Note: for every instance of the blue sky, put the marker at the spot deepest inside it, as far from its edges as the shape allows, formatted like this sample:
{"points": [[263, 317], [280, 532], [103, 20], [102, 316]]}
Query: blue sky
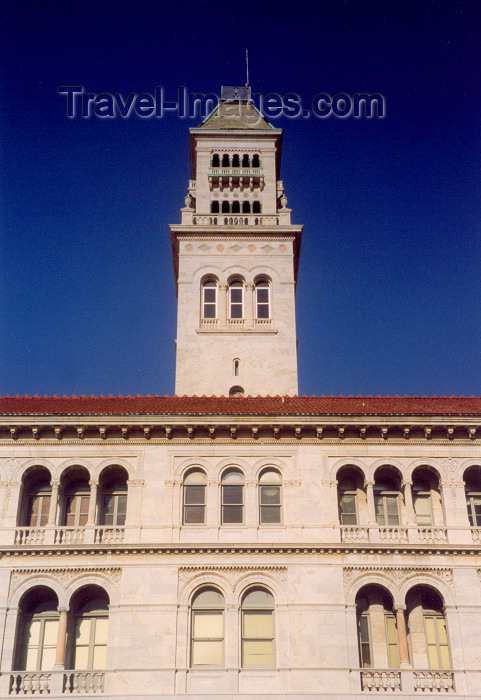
{"points": [[389, 284]]}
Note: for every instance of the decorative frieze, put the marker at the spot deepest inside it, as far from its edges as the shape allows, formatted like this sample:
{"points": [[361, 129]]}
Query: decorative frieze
{"points": [[396, 574], [65, 574]]}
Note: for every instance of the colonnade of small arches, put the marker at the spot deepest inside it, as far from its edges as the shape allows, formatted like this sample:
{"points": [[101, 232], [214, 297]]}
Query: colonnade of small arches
{"points": [[235, 207], [235, 160], [236, 299]]}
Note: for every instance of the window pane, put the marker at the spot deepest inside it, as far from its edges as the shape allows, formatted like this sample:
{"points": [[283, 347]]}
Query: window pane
{"points": [[262, 295], [194, 495], [48, 658], [236, 311], [445, 662], [232, 514], [208, 624], [232, 494], [258, 653], [258, 624], [270, 495], [121, 508], [101, 630], [236, 295], [209, 310], [207, 653], [392, 510], [82, 635], [81, 658], [209, 294], [262, 311], [50, 633], [422, 508], [194, 514], [442, 636], [99, 657], [391, 634], [379, 507], [270, 514]]}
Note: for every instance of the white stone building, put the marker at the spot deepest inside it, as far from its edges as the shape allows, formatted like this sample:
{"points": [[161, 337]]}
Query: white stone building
{"points": [[226, 545]]}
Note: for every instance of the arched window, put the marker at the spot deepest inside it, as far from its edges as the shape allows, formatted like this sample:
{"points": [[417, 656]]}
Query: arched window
{"points": [[270, 483], [257, 628], [235, 161], [225, 161], [245, 161], [194, 497], [236, 207], [207, 625], [246, 207], [232, 506], [225, 207], [236, 367], [37, 496], [255, 161], [113, 488], [236, 391], [347, 495], [426, 622], [263, 300], [386, 499], [76, 489], [37, 631], [472, 485], [214, 207], [256, 207], [209, 299], [89, 628], [236, 299], [376, 629], [215, 160]]}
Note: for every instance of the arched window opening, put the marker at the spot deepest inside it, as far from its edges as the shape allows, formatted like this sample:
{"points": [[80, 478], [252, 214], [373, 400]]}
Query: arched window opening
{"points": [[225, 161], [426, 497], [37, 496], [236, 299], [376, 629], [256, 207], [194, 497], [236, 367], [270, 484], [207, 624], [472, 485], [209, 299], [214, 207], [89, 629], [37, 631], [428, 627], [255, 161], [232, 505], [386, 498], [215, 160], [236, 207], [225, 207], [347, 498], [246, 207], [257, 628], [263, 300], [245, 161], [76, 489], [113, 489], [236, 391], [235, 161]]}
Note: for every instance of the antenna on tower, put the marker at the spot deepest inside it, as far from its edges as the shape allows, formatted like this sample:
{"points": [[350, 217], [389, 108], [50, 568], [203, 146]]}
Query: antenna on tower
{"points": [[247, 67]]}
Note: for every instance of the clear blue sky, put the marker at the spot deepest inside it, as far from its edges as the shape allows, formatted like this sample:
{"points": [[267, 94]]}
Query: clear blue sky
{"points": [[389, 286]]}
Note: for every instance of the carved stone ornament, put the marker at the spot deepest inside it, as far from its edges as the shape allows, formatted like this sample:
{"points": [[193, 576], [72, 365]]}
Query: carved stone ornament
{"points": [[232, 573], [65, 575], [10, 466], [397, 574]]}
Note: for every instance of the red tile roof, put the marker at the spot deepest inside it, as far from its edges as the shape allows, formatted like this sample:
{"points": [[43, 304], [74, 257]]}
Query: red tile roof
{"points": [[248, 406]]}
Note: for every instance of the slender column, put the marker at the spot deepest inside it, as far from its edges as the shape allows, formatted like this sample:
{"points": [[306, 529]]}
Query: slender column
{"points": [[371, 511], [61, 638], [52, 513], [408, 501], [92, 503], [222, 305], [249, 305], [402, 636]]}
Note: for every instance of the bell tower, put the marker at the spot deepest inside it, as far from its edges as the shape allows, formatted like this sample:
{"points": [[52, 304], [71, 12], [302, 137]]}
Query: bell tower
{"points": [[235, 257]]}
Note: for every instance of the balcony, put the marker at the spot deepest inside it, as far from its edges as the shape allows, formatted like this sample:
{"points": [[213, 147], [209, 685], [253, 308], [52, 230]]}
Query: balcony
{"points": [[236, 220], [100, 534], [56, 683], [407, 680], [395, 534], [236, 177]]}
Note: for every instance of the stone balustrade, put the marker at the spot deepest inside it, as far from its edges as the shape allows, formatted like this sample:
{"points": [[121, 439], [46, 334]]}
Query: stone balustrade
{"points": [[432, 535], [29, 535], [377, 681], [30, 683], [84, 682], [433, 681]]}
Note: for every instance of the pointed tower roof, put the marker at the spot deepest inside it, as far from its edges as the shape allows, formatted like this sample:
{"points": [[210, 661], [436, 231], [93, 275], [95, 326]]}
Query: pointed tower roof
{"points": [[235, 114]]}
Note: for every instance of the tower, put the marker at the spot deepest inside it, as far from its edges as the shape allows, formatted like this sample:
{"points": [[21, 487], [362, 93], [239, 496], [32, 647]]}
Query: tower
{"points": [[235, 257]]}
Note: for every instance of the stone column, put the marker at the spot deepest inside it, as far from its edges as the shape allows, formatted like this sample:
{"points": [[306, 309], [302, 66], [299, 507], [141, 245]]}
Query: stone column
{"points": [[231, 647], [61, 639], [213, 515], [251, 517], [402, 636], [249, 305], [222, 313], [92, 503], [408, 503], [371, 511], [52, 513]]}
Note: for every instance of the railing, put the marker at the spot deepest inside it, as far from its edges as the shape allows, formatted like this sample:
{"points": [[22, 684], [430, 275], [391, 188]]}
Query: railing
{"points": [[236, 172], [393, 534], [29, 535], [209, 323], [236, 220], [432, 535], [69, 535], [30, 683], [381, 681], [354, 533], [235, 323], [476, 535], [82, 682], [433, 681], [109, 535], [262, 322]]}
